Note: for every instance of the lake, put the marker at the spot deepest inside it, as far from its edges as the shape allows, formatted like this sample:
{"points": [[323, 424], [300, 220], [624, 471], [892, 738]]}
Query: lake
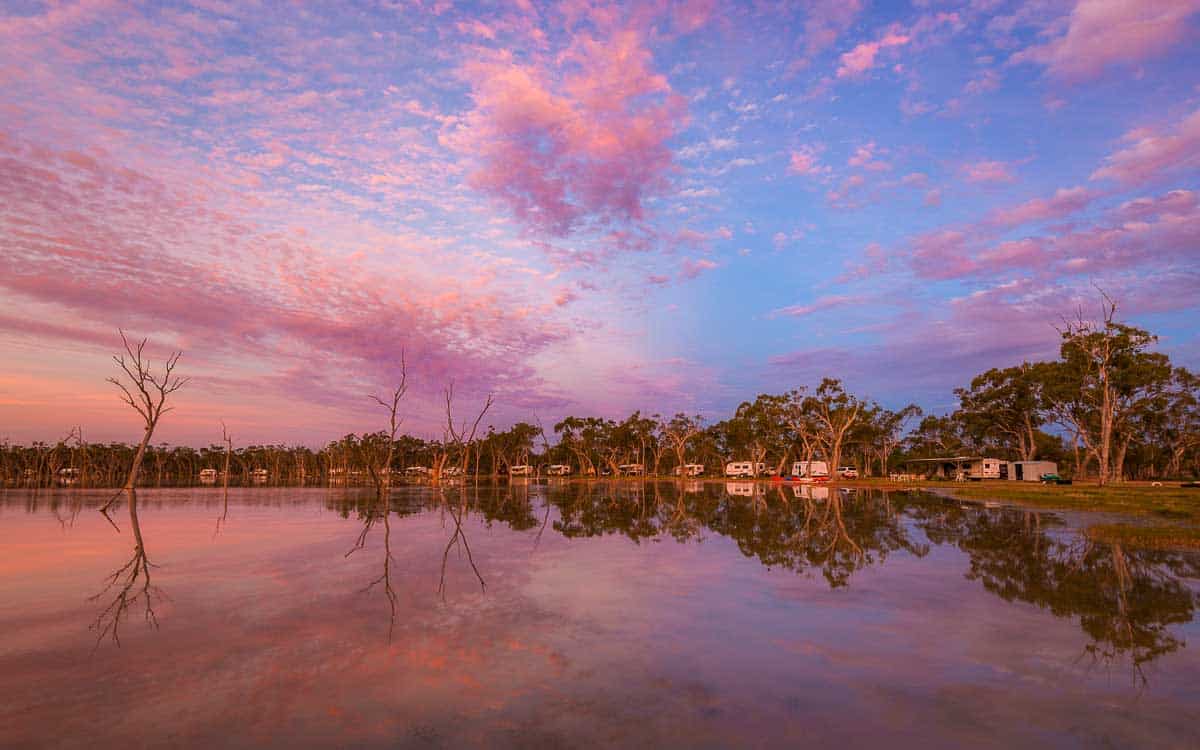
{"points": [[574, 614]]}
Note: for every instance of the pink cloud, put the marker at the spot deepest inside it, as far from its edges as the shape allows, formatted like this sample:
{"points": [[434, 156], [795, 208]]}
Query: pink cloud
{"points": [[821, 304], [582, 139], [987, 171], [691, 268], [1150, 153], [1064, 202], [862, 58], [105, 246], [826, 20], [690, 15], [1174, 203], [804, 161], [864, 157], [1100, 33], [943, 254], [1158, 229]]}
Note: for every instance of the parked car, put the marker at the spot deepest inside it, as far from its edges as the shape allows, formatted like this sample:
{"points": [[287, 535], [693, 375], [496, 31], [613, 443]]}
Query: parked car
{"points": [[848, 472], [1054, 479]]}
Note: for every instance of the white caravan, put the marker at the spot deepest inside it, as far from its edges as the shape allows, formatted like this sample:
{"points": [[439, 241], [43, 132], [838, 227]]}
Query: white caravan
{"points": [[558, 470], [520, 470], [631, 470], [810, 471], [688, 470], [744, 469]]}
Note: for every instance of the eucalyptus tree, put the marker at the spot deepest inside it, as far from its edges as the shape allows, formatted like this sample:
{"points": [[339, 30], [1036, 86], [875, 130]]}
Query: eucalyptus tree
{"points": [[883, 430], [799, 412], [1105, 378], [1179, 430], [937, 435], [760, 425], [678, 432], [836, 412], [1006, 404]]}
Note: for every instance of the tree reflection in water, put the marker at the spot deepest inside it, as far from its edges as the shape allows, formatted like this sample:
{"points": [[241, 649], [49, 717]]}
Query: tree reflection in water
{"points": [[1125, 599], [459, 538], [378, 509], [129, 585]]}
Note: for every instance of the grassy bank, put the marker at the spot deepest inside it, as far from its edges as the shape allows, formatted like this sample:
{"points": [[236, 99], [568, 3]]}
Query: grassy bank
{"points": [[1169, 501], [1169, 516]]}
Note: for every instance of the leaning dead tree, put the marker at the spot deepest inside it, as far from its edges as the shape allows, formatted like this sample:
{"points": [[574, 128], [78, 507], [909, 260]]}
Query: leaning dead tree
{"points": [[381, 471], [146, 392]]}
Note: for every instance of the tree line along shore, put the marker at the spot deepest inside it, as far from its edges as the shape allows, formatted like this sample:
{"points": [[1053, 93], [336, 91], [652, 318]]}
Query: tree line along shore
{"points": [[1109, 409]]}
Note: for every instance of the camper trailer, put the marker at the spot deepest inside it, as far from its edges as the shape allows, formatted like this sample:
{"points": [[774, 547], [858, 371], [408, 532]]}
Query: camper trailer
{"points": [[520, 470], [208, 476], [810, 471], [558, 470], [631, 470], [1027, 471], [958, 468], [744, 469], [688, 470]]}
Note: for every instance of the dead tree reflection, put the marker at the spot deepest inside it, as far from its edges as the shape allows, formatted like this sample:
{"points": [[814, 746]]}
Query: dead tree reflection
{"points": [[459, 538], [379, 509], [130, 585]]}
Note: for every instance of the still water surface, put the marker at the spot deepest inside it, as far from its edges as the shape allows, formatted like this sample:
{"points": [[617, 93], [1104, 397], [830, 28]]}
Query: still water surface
{"points": [[582, 615]]}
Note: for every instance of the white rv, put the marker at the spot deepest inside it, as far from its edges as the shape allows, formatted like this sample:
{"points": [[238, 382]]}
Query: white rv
{"points": [[520, 470], [959, 468], [688, 470], [744, 469], [810, 471], [208, 476], [631, 470], [558, 470]]}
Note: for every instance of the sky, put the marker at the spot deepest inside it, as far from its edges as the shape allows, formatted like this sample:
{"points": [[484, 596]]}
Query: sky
{"points": [[580, 207]]}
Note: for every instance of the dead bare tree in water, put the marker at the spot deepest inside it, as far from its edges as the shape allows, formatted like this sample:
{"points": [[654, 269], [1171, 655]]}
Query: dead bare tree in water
{"points": [[459, 438], [131, 582], [382, 474], [147, 394], [228, 440]]}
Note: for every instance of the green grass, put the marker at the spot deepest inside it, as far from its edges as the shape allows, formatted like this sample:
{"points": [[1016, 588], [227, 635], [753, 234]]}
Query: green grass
{"points": [[1168, 516], [1153, 537], [1169, 501]]}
